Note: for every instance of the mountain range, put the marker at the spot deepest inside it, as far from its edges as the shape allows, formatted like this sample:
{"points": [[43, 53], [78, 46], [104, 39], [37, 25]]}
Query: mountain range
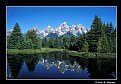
{"points": [[62, 30]]}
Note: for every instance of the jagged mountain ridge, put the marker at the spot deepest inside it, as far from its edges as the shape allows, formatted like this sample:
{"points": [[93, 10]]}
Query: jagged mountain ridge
{"points": [[62, 30]]}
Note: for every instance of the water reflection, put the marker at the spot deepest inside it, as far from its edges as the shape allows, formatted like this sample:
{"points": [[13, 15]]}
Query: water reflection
{"points": [[61, 65], [31, 61], [14, 65], [95, 68], [101, 68]]}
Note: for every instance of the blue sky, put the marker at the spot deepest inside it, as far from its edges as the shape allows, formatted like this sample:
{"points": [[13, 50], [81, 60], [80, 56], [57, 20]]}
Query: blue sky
{"points": [[41, 16]]}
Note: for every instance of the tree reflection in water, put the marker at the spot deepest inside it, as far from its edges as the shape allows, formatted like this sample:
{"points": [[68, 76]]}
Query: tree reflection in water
{"points": [[31, 61], [96, 68], [101, 68], [15, 64]]}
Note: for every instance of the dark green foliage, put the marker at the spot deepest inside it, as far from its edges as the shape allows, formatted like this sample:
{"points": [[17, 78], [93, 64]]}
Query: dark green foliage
{"points": [[94, 34], [31, 34], [15, 39], [85, 46], [104, 40], [111, 37], [28, 44], [44, 42], [99, 46], [32, 41], [105, 44], [114, 41], [100, 37]]}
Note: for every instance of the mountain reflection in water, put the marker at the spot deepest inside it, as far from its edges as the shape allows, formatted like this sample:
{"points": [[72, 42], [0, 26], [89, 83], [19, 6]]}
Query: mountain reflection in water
{"points": [[58, 65], [61, 65]]}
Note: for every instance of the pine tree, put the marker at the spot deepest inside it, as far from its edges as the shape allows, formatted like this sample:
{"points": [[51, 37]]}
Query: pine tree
{"points": [[94, 34], [104, 40], [114, 41], [32, 41], [28, 43], [105, 44], [85, 46], [44, 42], [15, 40], [31, 34], [99, 46]]}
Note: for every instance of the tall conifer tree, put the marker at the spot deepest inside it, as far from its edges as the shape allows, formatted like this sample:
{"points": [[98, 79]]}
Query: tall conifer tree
{"points": [[15, 40]]}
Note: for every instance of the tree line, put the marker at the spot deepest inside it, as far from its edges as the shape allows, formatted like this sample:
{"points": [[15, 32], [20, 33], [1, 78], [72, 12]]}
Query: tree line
{"points": [[101, 38]]}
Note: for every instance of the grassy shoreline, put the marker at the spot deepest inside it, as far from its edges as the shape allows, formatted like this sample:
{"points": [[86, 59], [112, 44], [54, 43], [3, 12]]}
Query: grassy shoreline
{"points": [[32, 51], [71, 53]]}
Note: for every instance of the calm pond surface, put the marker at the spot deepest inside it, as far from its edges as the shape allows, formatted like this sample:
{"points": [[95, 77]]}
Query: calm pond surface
{"points": [[58, 65]]}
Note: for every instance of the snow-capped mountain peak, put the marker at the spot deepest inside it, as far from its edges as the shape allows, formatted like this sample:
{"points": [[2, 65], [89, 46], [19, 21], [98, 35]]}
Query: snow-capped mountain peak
{"points": [[62, 29], [49, 29], [46, 31], [64, 25], [79, 25]]}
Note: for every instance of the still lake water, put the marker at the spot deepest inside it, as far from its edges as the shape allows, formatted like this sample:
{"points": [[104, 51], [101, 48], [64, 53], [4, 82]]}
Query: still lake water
{"points": [[58, 65]]}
